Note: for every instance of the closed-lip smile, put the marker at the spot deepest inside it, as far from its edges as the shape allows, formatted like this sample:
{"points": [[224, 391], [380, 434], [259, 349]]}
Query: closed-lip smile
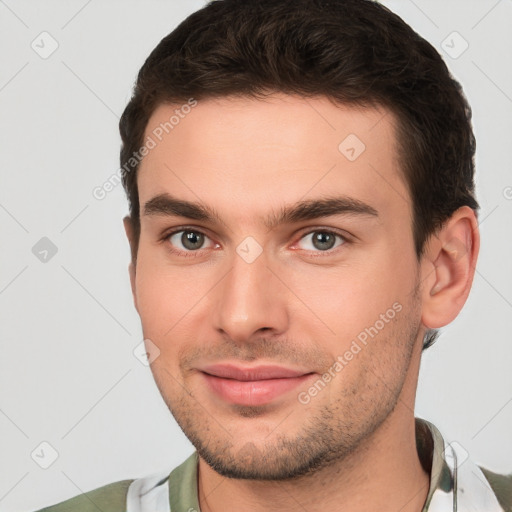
{"points": [[256, 385]]}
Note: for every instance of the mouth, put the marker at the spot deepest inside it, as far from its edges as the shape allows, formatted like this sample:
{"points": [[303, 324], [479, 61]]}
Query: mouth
{"points": [[252, 386]]}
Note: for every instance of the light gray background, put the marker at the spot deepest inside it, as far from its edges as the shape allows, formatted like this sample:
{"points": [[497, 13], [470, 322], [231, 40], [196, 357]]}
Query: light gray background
{"points": [[68, 327]]}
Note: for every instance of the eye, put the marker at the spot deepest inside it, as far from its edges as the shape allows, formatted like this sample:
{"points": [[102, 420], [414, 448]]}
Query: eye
{"points": [[189, 240], [321, 240]]}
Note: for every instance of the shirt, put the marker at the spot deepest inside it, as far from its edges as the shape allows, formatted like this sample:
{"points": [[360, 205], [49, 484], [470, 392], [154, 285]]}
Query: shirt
{"points": [[456, 484]]}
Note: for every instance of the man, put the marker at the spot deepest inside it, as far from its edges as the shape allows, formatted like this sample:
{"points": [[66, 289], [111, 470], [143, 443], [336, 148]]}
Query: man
{"points": [[302, 221]]}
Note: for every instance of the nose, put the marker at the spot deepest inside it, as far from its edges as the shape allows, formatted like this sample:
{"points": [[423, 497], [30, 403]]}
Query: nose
{"points": [[250, 301]]}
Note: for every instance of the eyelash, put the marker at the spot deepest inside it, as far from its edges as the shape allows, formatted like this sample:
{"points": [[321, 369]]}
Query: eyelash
{"points": [[198, 252]]}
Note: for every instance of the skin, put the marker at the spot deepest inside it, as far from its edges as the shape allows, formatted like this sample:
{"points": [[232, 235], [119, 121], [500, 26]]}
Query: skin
{"points": [[352, 446]]}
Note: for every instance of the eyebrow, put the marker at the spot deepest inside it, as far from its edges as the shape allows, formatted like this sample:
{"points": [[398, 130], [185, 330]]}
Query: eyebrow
{"points": [[167, 205]]}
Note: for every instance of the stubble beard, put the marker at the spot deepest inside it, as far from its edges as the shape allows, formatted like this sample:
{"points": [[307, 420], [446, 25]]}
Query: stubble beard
{"points": [[328, 436]]}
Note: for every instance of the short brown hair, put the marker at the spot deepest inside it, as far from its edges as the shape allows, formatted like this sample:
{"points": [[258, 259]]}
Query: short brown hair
{"points": [[354, 52]]}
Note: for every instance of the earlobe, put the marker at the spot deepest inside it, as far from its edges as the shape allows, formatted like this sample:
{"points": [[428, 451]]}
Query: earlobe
{"points": [[128, 227], [452, 253], [131, 271]]}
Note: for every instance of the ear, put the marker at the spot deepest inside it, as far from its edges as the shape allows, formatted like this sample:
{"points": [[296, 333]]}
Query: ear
{"points": [[129, 229], [448, 268]]}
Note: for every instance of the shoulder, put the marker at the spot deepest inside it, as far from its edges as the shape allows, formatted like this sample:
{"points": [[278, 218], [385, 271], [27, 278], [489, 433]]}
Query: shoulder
{"points": [[501, 486], [109, 498]]}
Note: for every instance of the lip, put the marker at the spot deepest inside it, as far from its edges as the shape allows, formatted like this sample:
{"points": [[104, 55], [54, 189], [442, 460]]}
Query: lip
{"points": [[261, 372], [252, 386]]}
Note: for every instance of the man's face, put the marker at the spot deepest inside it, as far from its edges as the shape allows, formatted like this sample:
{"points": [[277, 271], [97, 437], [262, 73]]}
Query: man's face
{"points": [[285, 341]]}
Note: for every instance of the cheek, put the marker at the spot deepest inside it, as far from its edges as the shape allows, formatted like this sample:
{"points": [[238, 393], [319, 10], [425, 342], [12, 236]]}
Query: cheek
{"points": [[159, 286], [340, 302], [159, 299], [172, 301]]}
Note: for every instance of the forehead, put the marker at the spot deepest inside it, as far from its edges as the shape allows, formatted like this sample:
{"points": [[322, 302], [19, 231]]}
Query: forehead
{"points": [[245, 153]]}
